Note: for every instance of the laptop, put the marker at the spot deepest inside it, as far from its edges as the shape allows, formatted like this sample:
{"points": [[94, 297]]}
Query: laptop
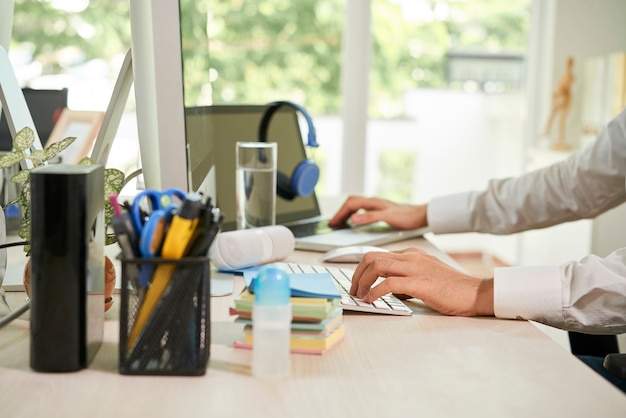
{"points": [[231, 123]]}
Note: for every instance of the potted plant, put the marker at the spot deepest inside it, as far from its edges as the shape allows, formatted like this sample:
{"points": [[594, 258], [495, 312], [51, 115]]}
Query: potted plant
{"points": [[23, 151]]}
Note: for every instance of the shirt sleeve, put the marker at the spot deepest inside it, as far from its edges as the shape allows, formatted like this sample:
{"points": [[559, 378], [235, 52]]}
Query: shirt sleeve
{"points": [[586, 184], [589, 295]]}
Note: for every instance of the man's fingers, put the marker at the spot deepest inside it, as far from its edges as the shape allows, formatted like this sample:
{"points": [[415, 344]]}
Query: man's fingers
{"points": [[375, 265], [392, 284]]}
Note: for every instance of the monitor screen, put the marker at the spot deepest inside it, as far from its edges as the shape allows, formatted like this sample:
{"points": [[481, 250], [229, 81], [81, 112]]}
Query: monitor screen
{"points": [[45, 106], [213, 131]]}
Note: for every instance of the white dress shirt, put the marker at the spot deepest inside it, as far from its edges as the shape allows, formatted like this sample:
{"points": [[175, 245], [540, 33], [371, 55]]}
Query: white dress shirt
{"points": [[588, 295]]}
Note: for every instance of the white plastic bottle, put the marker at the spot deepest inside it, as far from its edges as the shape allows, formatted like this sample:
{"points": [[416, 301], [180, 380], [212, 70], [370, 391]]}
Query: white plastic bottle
{"points": [[271, 323]]}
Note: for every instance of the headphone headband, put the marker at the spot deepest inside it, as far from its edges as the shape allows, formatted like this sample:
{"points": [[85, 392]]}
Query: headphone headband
{"points": [[273, 107]]}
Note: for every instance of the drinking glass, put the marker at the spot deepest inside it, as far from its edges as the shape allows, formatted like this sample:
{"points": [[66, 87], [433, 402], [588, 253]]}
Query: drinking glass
{"points": [[256, 184]]}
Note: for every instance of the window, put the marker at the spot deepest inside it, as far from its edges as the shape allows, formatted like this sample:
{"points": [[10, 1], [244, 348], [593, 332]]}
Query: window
{"points": [[444, 81]]}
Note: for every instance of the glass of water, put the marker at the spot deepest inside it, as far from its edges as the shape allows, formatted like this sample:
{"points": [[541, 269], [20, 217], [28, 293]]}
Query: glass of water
{"points": [[256, 184]]}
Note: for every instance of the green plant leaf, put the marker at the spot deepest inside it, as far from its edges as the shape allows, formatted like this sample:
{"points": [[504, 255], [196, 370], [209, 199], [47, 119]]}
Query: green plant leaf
{"points": [[24, 201], [24, 139], [53, 150], [21, 176], [108, 213], [38, 156], [10, 159], [86, 161], [24, 231], [113, 182], [110, 239]]}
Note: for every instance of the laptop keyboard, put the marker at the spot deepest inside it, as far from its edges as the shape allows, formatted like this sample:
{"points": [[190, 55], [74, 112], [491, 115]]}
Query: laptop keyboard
{"points": [[308, 229], [386, 305]]}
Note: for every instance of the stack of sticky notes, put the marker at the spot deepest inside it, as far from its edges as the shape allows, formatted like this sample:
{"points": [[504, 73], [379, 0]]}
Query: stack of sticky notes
{"points": [[317, 320]]}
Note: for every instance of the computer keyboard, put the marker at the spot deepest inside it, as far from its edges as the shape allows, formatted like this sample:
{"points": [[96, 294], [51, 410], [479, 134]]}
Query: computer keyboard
{"points": [[386, 305]]}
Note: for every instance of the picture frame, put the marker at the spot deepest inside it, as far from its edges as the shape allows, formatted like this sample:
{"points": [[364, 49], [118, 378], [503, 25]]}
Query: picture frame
{"points": [[82, 124]]}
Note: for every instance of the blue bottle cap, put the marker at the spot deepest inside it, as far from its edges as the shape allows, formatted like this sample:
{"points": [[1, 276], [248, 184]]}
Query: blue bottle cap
{"points": [[12, 211], [271, 286]]}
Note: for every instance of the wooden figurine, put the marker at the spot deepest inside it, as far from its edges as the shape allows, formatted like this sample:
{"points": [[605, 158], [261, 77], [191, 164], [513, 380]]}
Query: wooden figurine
{"points": [[561, 101]]}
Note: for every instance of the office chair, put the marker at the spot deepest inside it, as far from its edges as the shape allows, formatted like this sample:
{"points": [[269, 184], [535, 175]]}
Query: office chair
{"points": [[592, 345], [604, 346]]}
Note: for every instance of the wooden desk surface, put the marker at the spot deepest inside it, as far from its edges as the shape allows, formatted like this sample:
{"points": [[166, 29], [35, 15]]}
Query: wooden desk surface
{"points": [[425, 365]]}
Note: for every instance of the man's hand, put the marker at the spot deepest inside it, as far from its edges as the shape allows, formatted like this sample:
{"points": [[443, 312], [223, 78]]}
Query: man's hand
{"points": [[366, 210], [414, 273]]}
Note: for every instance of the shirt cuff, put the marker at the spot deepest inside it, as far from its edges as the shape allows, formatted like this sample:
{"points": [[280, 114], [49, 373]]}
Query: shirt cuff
{"points": [[532, 293], [450, 214]]}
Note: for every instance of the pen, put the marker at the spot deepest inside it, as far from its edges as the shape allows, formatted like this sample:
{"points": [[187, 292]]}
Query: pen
{"points": [[124, 230], [206, 233], [127, 240]]}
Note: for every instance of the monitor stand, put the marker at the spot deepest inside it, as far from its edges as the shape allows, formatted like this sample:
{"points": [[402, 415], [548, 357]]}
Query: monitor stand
{"points": [[114, 112]]}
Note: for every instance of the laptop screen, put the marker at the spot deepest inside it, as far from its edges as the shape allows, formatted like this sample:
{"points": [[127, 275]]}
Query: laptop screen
{"points": [[231, 123]]}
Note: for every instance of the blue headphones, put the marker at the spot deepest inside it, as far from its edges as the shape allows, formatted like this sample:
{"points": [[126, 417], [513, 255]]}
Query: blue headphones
{"points": [[305, 175]]}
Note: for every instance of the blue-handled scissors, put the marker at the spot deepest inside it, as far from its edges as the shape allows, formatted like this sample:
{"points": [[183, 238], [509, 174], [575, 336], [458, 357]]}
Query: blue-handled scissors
{"points": [[151, 225]]}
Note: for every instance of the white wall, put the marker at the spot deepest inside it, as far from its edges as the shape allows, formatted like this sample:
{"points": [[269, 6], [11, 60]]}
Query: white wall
{"points": [[585, 29]]}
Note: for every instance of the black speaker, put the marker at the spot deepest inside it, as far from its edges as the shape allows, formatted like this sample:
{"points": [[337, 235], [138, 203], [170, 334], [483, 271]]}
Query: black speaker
{"points": [[67, 266]]}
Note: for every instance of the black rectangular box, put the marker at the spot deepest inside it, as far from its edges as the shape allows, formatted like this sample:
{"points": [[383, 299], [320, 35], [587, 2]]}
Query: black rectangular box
{"points": [[67, 266]]}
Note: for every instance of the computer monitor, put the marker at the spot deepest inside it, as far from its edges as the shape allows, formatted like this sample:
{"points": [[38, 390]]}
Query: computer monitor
{"points": [[159, 56], [45, 106]]}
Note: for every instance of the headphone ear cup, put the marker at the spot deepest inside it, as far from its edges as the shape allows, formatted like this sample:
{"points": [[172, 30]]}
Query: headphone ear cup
{"points": [[283, 186], [302, 181], [304, 178]]}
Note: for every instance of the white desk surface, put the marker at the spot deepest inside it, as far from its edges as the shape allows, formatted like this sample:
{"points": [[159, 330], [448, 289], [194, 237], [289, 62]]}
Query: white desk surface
{"points": [[425, 365]]}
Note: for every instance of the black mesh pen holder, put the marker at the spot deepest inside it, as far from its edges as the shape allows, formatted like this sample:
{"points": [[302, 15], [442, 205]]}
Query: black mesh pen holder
{"points": [[164, 316]]}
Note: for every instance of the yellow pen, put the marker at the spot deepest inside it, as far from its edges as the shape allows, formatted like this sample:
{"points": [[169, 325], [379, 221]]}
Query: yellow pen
{"points": [[178, 236]]}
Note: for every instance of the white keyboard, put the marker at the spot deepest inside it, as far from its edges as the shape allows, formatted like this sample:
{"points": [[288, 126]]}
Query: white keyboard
{"points": [[386, 305]]}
